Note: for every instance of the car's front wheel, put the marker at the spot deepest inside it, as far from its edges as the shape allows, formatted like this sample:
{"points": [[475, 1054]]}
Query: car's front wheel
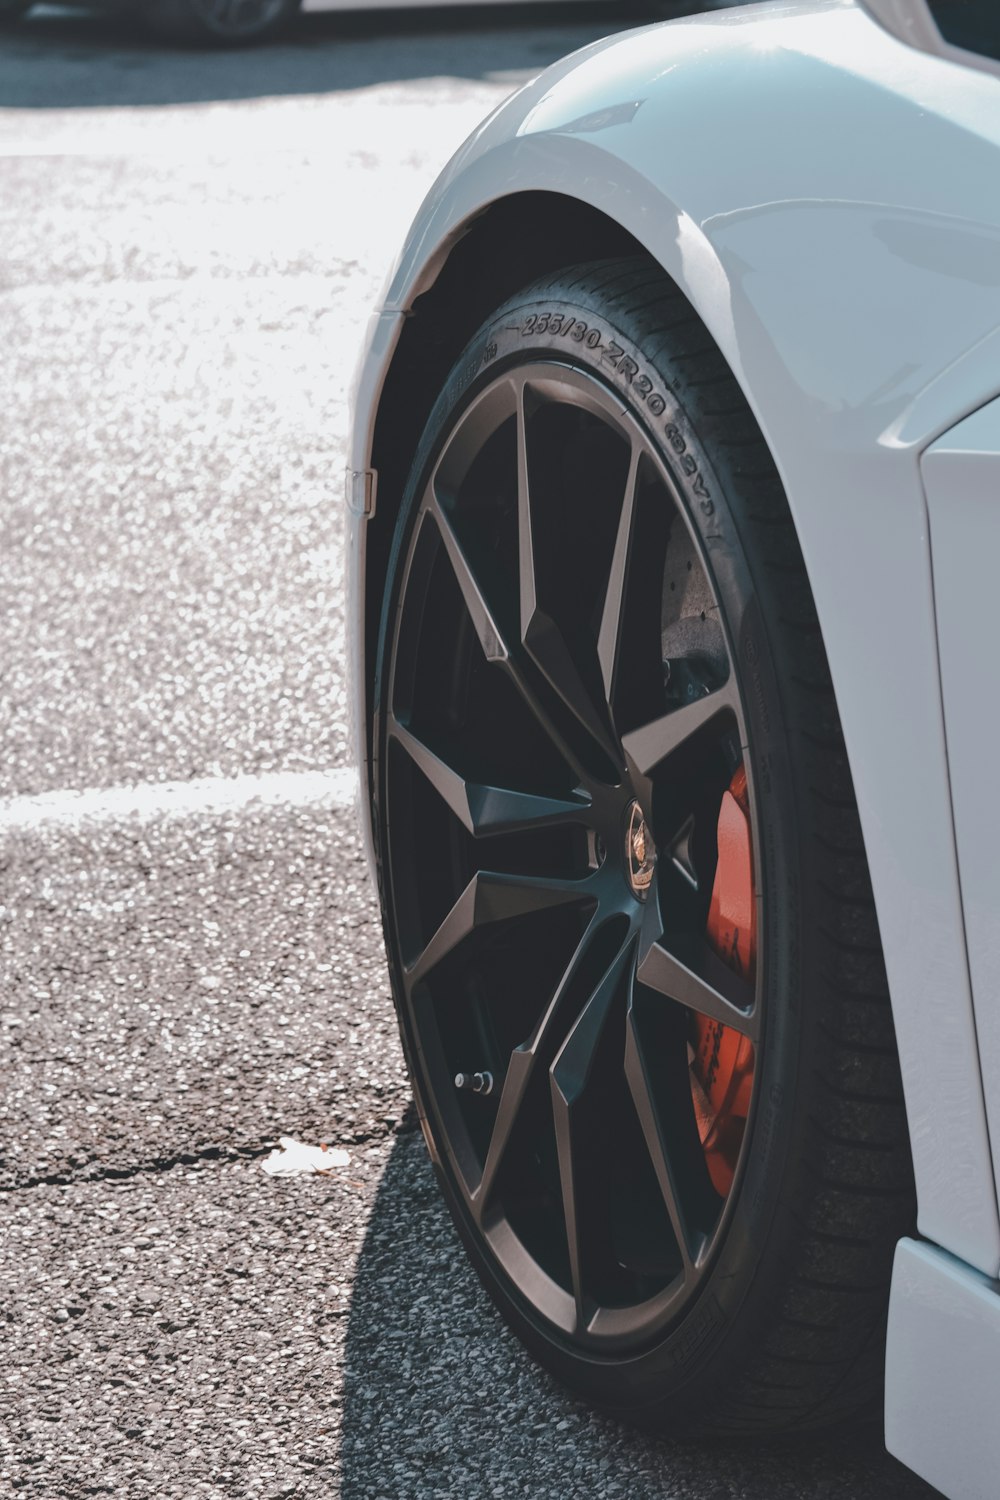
{"points": [[627, 910]]}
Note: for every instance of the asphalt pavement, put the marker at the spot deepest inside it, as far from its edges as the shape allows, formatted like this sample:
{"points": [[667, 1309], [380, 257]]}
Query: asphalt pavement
{"points": [[190, 957]]}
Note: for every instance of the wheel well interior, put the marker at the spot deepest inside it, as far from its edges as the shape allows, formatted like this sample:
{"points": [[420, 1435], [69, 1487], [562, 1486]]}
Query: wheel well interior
{"points": [[510, 244]]}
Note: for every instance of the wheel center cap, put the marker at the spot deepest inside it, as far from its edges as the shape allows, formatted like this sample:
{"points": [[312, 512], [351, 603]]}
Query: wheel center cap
{"points": [[640, 855]]}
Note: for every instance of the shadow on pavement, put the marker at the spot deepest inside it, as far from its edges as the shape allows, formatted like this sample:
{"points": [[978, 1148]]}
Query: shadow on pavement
{"points": [[440, 1400], [101, 58]]}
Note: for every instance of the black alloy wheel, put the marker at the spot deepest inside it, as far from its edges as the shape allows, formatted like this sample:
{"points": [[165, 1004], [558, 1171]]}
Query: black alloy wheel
{"points": [[590, 851]]}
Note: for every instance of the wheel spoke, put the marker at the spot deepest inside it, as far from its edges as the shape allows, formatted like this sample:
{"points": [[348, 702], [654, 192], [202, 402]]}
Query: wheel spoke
{"points": [[526, 575], [648, 747], [525, 1059], [691, 974], [493, 641], [658, 1075], [543, 640], [491, 897], [609, 634], [519, 1072], [483, 808], [484, 622], [490, 410], [570, 1075], [644, 1091]]}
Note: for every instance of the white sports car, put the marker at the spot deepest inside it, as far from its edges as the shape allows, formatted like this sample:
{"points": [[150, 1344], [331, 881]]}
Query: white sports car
{"points": [[675, 535]]}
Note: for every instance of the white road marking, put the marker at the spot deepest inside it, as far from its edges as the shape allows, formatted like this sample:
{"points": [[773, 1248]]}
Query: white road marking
{"points": [[160, 799]]}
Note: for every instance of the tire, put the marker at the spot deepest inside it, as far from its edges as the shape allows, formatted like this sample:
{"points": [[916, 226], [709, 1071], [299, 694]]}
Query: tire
{"points": [[662, 1098], [221, 23]]}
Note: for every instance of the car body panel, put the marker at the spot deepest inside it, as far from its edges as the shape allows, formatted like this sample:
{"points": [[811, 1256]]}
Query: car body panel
{"points": [[943, 1371], [962, 480]]}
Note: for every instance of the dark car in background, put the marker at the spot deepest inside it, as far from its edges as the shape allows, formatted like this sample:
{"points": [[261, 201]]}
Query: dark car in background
{"points": [[241, 22]]}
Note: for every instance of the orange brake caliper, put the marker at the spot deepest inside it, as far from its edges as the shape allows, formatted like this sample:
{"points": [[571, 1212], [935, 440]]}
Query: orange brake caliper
{"points": [[723, 1060]]}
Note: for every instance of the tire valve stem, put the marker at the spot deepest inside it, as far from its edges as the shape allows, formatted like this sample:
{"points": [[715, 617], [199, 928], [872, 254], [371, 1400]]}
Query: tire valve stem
{"points": [[476, 1083]]}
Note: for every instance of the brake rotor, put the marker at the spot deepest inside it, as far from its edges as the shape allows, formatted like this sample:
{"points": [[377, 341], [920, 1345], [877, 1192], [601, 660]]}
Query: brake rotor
{"points": [[722, 1060]]}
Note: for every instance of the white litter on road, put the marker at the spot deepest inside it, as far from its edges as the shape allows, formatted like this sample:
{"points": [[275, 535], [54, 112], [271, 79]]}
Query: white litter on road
{"points": [[209, 794], [293, 1159]]}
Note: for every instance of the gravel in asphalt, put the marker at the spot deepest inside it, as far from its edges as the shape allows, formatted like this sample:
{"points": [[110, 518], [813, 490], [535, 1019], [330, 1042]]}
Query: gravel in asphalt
{"points": [[187, 986], [210, 1331]]}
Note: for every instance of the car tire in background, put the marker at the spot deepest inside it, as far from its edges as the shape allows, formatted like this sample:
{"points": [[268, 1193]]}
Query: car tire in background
{"points": [[221, 23], [627, 909]]}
